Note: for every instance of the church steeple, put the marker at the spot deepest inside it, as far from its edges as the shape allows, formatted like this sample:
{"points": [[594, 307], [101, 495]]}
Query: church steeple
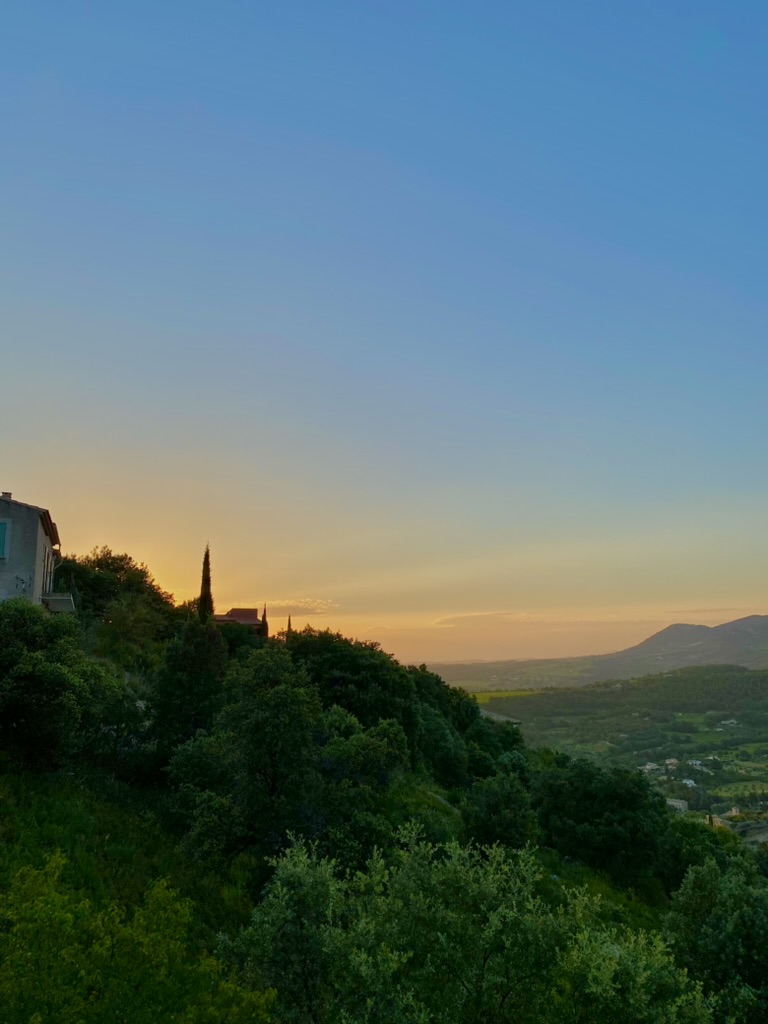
{"points": [[264, 624], [289, 630]]}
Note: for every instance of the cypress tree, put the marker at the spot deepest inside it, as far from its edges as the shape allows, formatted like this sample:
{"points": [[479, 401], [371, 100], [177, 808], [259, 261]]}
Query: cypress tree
{"points": [[205, 604]]}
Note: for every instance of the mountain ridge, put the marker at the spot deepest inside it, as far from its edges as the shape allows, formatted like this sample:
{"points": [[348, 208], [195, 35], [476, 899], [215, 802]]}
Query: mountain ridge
{"points": [[741, 641]]}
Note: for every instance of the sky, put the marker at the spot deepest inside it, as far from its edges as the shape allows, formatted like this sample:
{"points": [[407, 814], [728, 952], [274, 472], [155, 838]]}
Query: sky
{"points": [[444, 324]]}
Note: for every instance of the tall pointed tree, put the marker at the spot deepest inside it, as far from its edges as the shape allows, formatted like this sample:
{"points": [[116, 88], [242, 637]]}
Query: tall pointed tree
{"points": [[205, 604]]}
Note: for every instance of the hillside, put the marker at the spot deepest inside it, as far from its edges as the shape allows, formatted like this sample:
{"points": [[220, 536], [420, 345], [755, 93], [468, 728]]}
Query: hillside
{"points": [[708, 725], [209, 825], [741, 642]]}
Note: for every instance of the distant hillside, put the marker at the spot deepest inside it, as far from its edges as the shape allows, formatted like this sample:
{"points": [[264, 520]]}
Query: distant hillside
{"points": [[701, 731], [742, 642]]}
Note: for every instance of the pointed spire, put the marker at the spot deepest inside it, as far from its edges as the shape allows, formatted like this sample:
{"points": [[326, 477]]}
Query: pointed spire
{"points": [[289, 625], [205, 604]]}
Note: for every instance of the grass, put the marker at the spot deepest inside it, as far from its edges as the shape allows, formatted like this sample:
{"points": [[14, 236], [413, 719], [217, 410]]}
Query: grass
{"points": [[617, 906], [484, 696], [748, 788], [113, 852]]}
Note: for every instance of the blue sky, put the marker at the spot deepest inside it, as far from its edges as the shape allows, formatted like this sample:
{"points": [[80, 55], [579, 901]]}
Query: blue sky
{"points": [[421, 314]]}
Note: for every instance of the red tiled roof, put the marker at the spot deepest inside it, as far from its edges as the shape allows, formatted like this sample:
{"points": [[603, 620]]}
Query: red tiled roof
{"points": [[245, 616]]}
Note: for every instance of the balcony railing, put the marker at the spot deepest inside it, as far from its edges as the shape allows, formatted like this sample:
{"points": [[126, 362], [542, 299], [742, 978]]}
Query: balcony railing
{"points": [[57, 602], [65, 598]]}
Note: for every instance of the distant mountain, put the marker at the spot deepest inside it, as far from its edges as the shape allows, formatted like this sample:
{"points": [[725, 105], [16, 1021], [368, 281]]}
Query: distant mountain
{"points": [[742, 642]]}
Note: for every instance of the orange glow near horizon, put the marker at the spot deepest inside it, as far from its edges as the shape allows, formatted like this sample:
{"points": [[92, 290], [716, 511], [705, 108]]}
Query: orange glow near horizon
{"points": [[426, 592]]}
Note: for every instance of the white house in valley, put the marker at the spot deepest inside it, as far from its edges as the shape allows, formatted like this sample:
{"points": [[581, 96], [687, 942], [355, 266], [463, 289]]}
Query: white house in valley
{"points": [[29, 552]]}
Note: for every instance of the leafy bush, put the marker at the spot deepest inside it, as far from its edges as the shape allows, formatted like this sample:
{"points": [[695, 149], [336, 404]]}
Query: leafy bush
{"points": [[63, 959], [449, 934], [54, 701]]}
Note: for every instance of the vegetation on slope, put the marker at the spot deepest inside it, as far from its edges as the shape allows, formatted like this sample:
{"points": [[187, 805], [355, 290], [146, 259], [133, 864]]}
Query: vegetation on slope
{"points": [[214, 827]]}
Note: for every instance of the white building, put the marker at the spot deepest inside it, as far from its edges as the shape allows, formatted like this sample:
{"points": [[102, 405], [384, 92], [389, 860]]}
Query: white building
{"points": [[29, 552]]}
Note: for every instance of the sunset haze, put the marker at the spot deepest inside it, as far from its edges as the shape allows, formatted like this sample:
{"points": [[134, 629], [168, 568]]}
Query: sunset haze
{"points": [[444, 327]]}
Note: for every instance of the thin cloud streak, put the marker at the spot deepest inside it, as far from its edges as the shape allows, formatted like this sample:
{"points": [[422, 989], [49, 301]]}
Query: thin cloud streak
{"points": [[302, 606], [706, 611]]}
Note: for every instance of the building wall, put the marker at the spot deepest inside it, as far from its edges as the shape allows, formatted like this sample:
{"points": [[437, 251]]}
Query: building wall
{"points": [[43, 574], [28, 550]]}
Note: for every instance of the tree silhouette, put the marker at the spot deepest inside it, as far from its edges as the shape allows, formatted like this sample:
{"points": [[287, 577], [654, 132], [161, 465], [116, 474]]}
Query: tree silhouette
{"points": [[205, 604]]}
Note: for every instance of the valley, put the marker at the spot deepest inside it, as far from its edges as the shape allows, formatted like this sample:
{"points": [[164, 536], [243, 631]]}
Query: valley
{"points": [[701, 734]]}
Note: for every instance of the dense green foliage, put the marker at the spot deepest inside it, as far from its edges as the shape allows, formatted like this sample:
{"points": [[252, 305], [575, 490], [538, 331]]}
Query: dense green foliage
{"points": [[63, 959], [186, 691], [125, 614], [449, 934], [366, 844], [609, 817], [54, 700], [719, 929]]}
